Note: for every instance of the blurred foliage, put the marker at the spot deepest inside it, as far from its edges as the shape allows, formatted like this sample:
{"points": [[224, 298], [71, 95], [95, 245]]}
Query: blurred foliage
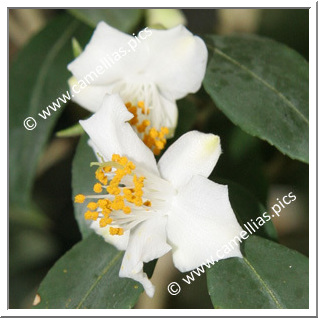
{"points": [[289, 26], [41, 221]]}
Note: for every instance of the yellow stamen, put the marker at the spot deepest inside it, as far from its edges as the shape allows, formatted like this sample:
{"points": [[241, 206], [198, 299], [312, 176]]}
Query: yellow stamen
{"points": [[153, 138], [92, 206], [98, 188], [100, 176], [116, 231], [105, 221], [118, 195], [89, 215], [80, 198], [126, 209], [147, 203], [103, 204]]}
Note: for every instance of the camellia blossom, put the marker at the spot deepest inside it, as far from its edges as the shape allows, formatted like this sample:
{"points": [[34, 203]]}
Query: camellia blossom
{"points": [[149, 72], [146, 208]]}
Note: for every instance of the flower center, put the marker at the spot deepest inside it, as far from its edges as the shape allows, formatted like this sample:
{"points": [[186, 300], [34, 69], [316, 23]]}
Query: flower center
{"points": [[153, 138], [150, 120], [124, 202]]}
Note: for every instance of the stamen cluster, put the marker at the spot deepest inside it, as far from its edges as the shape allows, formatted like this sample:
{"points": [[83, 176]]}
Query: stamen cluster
{"points": [[118, 196], [153, 138]]}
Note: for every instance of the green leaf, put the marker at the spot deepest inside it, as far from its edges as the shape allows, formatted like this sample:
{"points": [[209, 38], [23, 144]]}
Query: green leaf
{"points": [[87, 277], [37, 78], [75, 130], [77, 49], [122, 19], [269, 276], [261, 86], [187, 115], [248, 209]]}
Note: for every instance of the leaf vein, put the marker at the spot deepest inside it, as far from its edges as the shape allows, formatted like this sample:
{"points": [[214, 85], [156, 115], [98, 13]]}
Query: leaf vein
{"points": [[104, 272], [40, 81], [287, 101], [270, 292]]}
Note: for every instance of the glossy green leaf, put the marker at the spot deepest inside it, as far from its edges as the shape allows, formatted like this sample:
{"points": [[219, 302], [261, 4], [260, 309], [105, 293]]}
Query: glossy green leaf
{"points": [[122, 19], [248, 209], [261, 86], [38, 77], [269, 276], [86, 277]]}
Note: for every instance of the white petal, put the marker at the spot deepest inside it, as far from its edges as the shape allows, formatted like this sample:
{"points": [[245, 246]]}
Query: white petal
{"points": [[201, 223], [111, 134], [108, 57], [119, 241], [89, 97], [147, 242], [165, 114], [194, 153], [177, 61]]}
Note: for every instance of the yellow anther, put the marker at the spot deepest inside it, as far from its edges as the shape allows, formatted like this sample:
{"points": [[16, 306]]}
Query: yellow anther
{"points": [[113, 190], [138, 202], [107, 169], [153, 133], [142, 127], [116, 231], [147, 203], [127, 191], [103, 203], [165, 130], [100, 176], [126, 209], [159, 144], [89, 215], [131, 166], [106, 212], [115, 157], [139, 193], [92, 206], [123, 161], [95, 216], [105, 221], [80, 198], [141, 104], [98, 188]]}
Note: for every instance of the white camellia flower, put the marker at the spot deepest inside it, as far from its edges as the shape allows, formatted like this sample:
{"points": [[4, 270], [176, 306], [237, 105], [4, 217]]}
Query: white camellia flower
{"points": [[147, 208], [149, 72]]}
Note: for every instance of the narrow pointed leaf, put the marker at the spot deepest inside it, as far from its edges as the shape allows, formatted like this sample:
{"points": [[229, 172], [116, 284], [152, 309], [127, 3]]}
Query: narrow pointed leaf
{"points": [[38, 76]]}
